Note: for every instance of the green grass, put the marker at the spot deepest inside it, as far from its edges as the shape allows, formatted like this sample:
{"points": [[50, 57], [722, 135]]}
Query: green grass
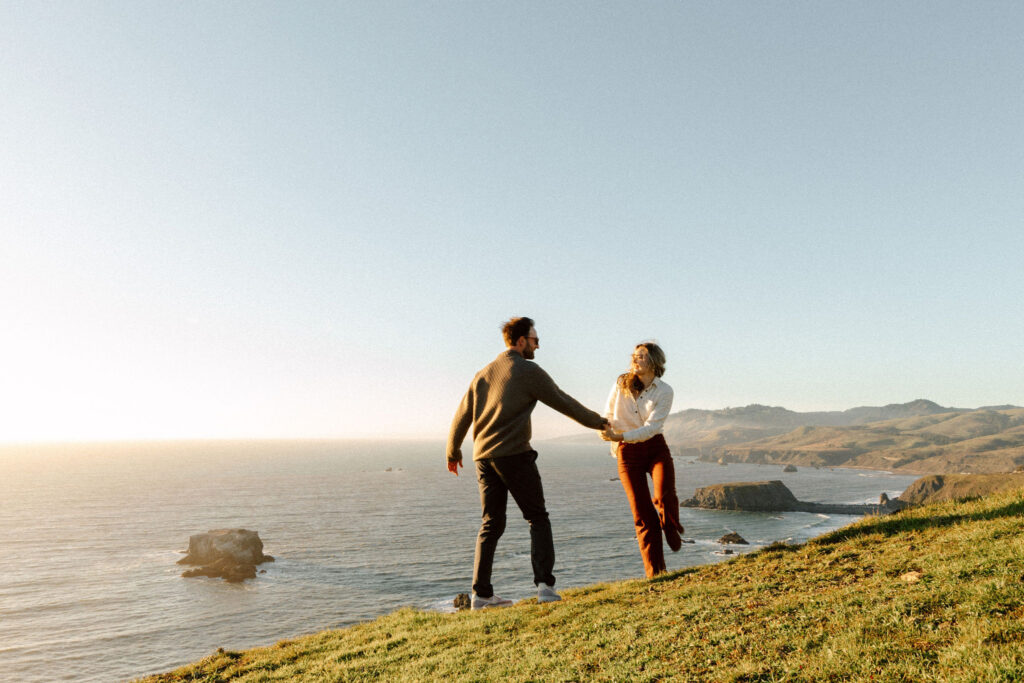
{"points": [[837, 608]]}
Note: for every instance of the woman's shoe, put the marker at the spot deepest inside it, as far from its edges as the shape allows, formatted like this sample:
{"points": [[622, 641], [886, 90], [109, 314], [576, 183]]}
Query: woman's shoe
{"points": [[673, 538]]}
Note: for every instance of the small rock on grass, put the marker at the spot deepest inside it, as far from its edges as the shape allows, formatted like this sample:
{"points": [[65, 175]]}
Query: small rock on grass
{"points": [[912, 576]]}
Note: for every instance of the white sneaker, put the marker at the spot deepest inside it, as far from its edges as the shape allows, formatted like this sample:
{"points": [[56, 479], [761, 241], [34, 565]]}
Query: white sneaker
{"points": [[546, 593], [484, 603]]}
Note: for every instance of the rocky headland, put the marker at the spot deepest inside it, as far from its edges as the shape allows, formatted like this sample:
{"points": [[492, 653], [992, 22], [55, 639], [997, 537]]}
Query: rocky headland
{"points": [[937, 488], [774, 496]]}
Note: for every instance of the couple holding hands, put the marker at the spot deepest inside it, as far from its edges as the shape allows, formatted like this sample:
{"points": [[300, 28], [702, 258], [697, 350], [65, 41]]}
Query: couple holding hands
{"points": [[498, 405]]}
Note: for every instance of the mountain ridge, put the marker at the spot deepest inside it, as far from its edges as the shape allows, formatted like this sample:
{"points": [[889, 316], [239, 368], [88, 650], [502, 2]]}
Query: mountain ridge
{"points": [[979, 442], [697, 429], [919, 437]]}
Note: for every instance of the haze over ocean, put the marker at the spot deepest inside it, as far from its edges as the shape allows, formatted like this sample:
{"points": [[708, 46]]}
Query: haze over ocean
{"points": [[89, 588]]}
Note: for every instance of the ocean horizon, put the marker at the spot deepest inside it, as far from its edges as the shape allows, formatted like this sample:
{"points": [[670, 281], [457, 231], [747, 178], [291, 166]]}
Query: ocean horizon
{"points": [[90, 589]]}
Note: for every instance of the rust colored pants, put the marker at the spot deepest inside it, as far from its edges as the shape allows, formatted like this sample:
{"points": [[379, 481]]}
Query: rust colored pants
{"points": [[651, 515]]}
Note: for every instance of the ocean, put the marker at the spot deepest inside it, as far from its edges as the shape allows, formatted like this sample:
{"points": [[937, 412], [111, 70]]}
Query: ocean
{"points": [[90, 535]]}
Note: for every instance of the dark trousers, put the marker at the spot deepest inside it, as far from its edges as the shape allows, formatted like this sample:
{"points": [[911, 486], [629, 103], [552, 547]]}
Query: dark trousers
{"points": [[651, 515], [518, 475]]}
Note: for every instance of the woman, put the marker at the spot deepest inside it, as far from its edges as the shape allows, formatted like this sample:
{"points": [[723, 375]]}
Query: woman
{"points": [[637, 407]]}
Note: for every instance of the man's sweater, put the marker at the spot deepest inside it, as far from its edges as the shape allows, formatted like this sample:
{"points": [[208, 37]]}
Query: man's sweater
{"points": [[498, 405]]}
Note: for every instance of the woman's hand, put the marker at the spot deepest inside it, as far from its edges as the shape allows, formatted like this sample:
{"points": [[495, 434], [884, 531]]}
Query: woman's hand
{"points": [[610, 434]]}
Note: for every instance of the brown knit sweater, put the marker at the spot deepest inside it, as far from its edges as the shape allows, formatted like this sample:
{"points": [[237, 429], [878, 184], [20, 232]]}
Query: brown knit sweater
{"points": [[498, 405]]}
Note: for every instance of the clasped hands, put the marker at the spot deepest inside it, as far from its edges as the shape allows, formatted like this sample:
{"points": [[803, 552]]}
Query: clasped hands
{"points": [[609, 434]]}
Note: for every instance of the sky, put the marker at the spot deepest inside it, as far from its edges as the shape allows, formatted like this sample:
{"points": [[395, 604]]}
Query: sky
{"points": [[309, 220]]}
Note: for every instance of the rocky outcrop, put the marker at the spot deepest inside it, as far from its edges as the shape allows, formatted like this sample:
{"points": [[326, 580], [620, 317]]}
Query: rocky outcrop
{"points": [[774, 496], [733, 537], [227, 569], [767, 496], [461, 601], [231, 554], [940, 487]]}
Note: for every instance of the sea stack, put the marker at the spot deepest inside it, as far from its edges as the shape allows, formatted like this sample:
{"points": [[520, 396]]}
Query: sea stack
{"points": [[753, 495], [733, 537], [230, 554]]}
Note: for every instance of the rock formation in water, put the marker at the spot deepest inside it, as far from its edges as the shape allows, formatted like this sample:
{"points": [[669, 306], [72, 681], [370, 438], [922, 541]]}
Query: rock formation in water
{"points": [[231, 554], [774, 496], [768, 496], [733, 537]]}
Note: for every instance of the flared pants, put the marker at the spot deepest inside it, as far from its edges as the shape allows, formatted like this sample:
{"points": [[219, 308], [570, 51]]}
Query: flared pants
{"points": [[651, 515]]}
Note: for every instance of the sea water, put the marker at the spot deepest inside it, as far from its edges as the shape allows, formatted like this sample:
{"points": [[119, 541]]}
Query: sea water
{"points": [[90, 536]]}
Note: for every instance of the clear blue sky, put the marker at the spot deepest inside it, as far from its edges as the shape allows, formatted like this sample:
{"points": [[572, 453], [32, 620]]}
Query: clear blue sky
{"points": [[253, 219]]}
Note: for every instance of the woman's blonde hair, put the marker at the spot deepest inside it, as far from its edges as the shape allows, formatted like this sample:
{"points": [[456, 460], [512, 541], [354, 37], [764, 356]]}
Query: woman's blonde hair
{"points": [[628, 381]]}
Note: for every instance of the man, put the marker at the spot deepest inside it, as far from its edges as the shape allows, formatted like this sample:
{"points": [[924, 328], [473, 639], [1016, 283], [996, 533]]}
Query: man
{"points": [[498, 405]]}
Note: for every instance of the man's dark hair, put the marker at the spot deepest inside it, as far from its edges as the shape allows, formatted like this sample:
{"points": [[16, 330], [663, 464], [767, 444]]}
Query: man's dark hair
{"points": [[516, 328]]}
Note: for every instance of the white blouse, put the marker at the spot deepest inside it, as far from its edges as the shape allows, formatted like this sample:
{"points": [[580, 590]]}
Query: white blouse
{"points": [[638, 418]]}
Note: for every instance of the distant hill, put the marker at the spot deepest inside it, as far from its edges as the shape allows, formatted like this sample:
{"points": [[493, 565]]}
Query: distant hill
{"points": [[976, 441], [698, 432]]}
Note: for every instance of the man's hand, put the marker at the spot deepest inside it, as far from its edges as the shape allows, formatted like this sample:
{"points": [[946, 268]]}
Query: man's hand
{"points": [[453, 466]]}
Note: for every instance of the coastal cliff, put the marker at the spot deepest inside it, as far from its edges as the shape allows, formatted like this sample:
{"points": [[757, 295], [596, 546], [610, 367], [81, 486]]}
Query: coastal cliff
{"points": [[938, 488], [774, 496]]}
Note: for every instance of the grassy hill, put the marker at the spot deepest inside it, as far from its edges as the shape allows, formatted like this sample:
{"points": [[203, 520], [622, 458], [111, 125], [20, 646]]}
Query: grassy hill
{"points": [[934, 593], [980, 441]]}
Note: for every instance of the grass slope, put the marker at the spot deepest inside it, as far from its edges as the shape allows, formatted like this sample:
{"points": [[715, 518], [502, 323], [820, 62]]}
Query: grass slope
{"points": [[934, 593]]}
